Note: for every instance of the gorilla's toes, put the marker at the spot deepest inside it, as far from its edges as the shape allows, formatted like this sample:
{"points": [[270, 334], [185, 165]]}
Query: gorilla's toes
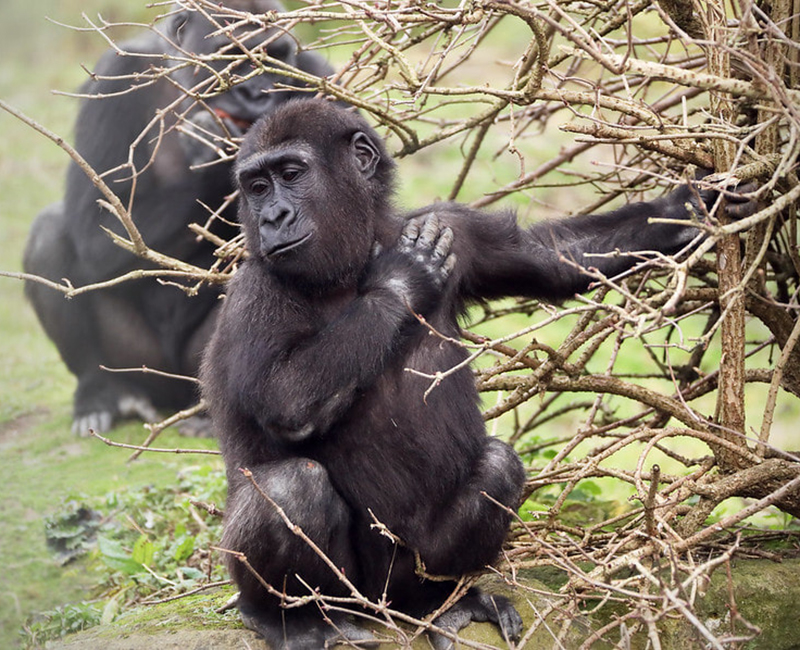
{"points": [[98, 421], [510, 622], [478, 607], [104, 411], [346, 632], [197, 426]]}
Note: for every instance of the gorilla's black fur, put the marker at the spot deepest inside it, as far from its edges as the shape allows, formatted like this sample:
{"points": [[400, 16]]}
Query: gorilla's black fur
{"points": [[307, 377]]}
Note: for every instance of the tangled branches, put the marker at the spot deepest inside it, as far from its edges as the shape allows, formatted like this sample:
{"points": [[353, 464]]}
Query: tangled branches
{"points": [[663, 385]]}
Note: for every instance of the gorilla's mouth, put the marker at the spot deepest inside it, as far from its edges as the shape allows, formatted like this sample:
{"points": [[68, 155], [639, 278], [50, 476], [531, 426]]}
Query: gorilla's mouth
{"points": [[286, 247], [238, 121]]}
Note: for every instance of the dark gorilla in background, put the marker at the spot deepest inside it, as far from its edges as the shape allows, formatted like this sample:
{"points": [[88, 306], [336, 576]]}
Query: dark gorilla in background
{"points": [[143, 323], [307, 384]]}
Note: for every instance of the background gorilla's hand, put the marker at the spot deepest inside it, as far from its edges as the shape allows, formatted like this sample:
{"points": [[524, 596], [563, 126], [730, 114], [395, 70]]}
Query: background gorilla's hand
{"points": [[203, 135]]}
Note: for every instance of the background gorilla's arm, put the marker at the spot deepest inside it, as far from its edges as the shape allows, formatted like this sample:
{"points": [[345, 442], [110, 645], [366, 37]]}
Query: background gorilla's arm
{"points": [[105, 129], [497, 258]]}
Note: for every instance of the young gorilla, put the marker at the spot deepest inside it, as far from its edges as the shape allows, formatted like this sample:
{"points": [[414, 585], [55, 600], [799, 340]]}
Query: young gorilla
{"points": [[142, 322], [306, 375]]}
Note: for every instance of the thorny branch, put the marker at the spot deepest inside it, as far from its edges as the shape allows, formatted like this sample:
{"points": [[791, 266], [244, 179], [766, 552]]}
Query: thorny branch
{"points": [[678, 367]]}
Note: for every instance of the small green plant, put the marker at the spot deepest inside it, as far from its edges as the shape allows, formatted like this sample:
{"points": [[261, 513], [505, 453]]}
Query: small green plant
{"points": [[160, 542], [138, 543], [59, 622], [70, 531]]}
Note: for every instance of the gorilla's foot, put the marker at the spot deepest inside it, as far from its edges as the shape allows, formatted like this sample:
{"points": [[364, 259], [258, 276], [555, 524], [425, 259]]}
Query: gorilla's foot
{"points": [[196, 426], [97, 421], [99, 409], [478, 607], [291, 630]]}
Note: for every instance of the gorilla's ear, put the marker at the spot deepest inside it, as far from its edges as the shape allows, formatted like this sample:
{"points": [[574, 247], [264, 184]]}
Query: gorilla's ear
{"points": [[175, 24], [365, 153]]}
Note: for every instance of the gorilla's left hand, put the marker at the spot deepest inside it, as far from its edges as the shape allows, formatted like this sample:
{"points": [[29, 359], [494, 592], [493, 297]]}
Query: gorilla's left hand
{"points": [[740, 201]]}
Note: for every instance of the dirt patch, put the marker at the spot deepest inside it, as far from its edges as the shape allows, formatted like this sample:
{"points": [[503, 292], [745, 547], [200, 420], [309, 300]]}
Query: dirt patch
{"points": [[11, 431]]}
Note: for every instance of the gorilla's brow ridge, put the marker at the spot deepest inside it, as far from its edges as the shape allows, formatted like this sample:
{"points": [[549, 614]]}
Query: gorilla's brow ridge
{"points": [[290, 151]]}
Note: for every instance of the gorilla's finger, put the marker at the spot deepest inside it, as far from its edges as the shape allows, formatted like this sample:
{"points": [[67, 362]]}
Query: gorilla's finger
{"points": [[444, 243], [429, 232], [410, 233], [449, 265]]}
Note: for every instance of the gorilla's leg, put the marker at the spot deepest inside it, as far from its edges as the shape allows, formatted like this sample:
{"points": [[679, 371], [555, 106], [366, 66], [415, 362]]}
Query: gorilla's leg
{"points": [[301, 487], [193, 351], [79, 328], [469, 533], [49, 254], [470, 530]]}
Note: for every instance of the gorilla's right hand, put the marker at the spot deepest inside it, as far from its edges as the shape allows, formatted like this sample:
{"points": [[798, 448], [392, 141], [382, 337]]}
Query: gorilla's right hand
{"points": [[417, 269], [425, 240]]}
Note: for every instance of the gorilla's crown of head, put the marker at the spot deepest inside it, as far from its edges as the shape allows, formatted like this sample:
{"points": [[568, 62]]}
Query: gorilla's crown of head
{"points": [[324, 125], [252, 6]]}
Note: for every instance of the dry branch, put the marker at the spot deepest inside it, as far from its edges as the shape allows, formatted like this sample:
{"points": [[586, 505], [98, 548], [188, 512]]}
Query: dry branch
{"points": [[658, 369]]}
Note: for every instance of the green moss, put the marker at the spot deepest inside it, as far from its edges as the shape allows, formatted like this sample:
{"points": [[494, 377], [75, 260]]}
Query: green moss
{"points": [[767, 594], [199, 611], [167, 625]]}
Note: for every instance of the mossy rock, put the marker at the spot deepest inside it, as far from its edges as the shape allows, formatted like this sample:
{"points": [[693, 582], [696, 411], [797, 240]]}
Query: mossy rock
{"points": [[189, 623], [193, 623], [766, 594]]}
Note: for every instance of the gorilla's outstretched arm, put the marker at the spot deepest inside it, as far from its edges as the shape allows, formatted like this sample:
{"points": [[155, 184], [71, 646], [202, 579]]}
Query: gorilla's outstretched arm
{"points": [[550, 259]]}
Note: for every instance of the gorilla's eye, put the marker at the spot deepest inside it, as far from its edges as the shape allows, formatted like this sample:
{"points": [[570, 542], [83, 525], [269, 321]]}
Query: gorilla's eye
{"points": [[280, 49], [258, 187], [288, 174]]}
